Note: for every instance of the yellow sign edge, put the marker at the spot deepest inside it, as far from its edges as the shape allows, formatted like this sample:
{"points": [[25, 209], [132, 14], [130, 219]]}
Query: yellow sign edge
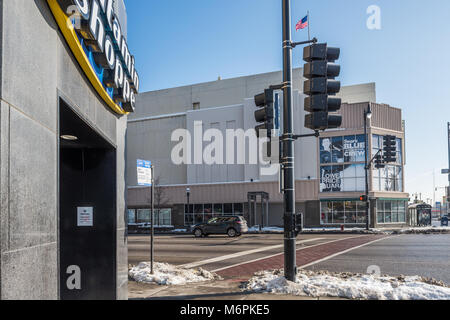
{"points": [[71, 37]]}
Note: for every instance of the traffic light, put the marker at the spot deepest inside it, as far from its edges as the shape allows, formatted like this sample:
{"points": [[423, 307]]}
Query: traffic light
{"points": [[363, 199], [379, 164], [390, 149], [265, 116], [321, 71]]}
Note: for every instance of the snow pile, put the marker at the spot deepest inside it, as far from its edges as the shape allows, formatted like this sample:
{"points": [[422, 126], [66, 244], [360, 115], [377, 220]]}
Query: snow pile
{"points": [[180, 230], [166, 274], [423, 230], [350, 286], [266, 229]]}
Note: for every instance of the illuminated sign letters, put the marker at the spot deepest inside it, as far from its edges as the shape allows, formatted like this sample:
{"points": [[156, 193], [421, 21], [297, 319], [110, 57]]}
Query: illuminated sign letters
{"points": [[94, 34]]}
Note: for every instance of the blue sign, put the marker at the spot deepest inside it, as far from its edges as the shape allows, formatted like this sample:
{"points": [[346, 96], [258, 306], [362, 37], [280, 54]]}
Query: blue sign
{"points": [[144, 173]]}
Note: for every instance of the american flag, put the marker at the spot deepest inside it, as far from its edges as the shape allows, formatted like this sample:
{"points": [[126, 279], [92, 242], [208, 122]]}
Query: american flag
{"points": [[302, 24]]}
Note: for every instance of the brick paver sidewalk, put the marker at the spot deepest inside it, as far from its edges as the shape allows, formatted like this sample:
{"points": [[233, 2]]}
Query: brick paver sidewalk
{"points": [[304, 257]]}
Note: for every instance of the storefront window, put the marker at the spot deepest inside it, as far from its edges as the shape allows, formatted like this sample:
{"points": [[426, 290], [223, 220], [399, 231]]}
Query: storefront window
{"points": [[218, 209], [391, 211], [204, 212], [208, 208], [131, 216], [342, 212], [338, 212], [238, 209], [391, 177], [165, 217], [228, 208], [350, 212], [198, 208], [188, 219], [143, 215], [380, 211]]}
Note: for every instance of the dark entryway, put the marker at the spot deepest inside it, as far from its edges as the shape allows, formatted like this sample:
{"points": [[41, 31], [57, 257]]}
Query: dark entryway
{"points": [[87, 211]]}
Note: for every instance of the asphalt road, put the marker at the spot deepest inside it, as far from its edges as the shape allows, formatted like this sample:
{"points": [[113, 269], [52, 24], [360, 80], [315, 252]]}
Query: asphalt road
{"points": [[185, 249], [424, 255]]}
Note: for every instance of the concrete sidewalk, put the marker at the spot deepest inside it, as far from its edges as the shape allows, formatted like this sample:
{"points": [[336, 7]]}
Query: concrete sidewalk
{"points": [[216, 290]]}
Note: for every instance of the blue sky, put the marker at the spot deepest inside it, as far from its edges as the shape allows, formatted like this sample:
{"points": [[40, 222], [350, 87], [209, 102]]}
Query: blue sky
{"points": [[179, 42]]}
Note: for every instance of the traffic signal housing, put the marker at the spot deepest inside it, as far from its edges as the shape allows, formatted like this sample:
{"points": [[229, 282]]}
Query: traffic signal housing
{"points": [[379, 164], [320, 72], [390, 149], [266, 114], [363, 198]]}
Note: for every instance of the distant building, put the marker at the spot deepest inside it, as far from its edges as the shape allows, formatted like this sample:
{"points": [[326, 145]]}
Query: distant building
{"points": [[329, 171]]}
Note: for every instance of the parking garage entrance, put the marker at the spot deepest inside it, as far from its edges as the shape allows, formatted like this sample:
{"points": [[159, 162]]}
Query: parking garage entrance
{"points": [[87, 211]]}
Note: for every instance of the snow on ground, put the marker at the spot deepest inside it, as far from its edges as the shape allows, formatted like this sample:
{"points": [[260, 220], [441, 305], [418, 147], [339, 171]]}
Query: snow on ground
{"points": [[266, 229], [179, 230], [350, 286], [423, 230], [166, 274]]}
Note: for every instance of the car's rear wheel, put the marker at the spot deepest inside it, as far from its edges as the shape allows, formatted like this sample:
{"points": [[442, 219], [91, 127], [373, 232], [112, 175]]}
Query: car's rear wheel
{"points": [[198, 233], [232, 233]]}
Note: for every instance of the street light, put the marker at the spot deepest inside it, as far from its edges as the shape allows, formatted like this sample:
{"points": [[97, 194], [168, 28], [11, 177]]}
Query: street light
{"points": [[188, 194], [367, 116]]}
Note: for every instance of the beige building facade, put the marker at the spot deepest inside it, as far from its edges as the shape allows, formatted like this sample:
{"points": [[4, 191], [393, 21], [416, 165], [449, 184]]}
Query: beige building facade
{"points": [[222, 189]]}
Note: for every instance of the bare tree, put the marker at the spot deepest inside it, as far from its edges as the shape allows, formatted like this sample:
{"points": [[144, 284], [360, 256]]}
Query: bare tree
{"points": [[161, 198]]}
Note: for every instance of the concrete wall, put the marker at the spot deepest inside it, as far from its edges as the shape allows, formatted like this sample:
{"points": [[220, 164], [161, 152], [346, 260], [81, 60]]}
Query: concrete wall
{"points": [[153, 142], [37, 66]]}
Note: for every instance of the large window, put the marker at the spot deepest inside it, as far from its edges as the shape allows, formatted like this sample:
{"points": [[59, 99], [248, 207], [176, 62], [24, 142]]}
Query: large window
{"points": [[389, 178], [162, 217], [342, 212], [200, 213], [131, 216], [342, 164], [391, 211]]}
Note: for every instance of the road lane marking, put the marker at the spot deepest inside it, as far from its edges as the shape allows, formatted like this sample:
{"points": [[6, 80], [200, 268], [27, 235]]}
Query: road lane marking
{"points": [[240, 254], [280, 254], [343, 252]]}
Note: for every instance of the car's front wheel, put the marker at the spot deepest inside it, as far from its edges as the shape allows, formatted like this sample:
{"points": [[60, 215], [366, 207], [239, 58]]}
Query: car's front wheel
{"points": [[198, 233], [232, 233]]}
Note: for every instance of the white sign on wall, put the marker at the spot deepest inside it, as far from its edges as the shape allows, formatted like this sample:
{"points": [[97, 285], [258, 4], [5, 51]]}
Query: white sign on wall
{"points": [[85, 216], [144, 173]]}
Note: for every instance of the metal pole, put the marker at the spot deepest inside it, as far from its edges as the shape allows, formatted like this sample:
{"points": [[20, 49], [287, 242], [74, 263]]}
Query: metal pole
{"points": [[448, 190], [290, 268], [262, 213], [367, 172], [152, 241]]}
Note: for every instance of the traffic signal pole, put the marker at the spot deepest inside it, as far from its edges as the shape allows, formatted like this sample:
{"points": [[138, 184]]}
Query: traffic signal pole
{"points": [[367, 168], [287, 158]]}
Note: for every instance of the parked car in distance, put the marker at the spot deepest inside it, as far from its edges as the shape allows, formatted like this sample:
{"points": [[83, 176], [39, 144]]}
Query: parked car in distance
{"points": [[233, 226]]}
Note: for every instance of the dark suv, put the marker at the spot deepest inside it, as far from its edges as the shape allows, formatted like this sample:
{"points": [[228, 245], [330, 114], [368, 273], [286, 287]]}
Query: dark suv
{"points": [[233, 226]]}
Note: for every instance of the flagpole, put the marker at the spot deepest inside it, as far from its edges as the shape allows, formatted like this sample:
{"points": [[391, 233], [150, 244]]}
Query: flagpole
{"points": [[309, 23]]}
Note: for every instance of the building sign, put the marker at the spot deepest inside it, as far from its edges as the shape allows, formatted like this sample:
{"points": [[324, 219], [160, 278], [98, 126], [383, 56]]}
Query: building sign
{"points": [[85, 216], [354, 148], [342, 149], [341, 167], [94, 34]]}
